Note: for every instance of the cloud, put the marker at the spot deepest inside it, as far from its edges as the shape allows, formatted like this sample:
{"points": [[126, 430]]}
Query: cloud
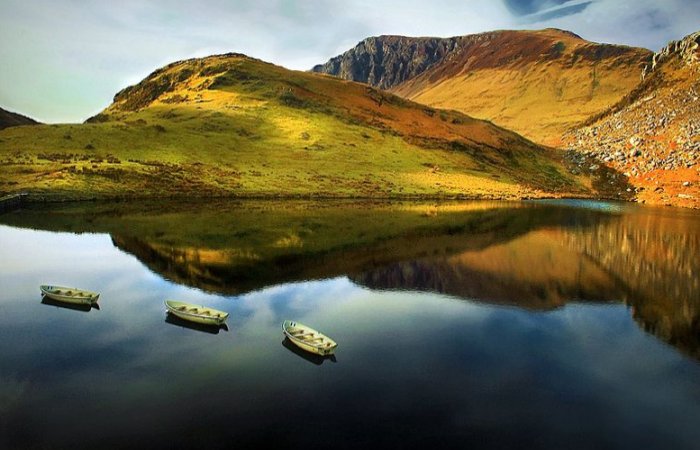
{"points": [[528, 7], [558, 12], [643, 23]]}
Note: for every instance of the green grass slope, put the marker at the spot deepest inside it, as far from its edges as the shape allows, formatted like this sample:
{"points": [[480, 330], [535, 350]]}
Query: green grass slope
{"points": [[230, 125]]}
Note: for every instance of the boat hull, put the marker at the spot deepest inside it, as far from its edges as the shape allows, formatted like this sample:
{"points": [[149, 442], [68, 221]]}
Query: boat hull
{"points": [[69, 295], [322, 345], [196, 313]]}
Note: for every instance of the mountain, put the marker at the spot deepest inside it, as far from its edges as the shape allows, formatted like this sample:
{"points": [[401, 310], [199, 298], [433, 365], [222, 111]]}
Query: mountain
{"points": [[537, 83], [653, 134], [230, 125], [10, 119]]}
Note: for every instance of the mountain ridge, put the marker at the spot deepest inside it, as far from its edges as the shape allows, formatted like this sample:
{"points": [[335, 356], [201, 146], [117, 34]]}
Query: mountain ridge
{"points": [[538, 83]]}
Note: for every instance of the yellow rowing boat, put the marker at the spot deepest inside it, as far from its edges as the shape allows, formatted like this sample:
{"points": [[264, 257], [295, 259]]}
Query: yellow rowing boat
{"points": [[196, 313], [69, 295], [308, 339]]}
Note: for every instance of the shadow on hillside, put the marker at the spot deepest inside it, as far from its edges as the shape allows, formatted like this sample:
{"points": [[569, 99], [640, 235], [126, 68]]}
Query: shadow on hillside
{"points": [[606, 182]]}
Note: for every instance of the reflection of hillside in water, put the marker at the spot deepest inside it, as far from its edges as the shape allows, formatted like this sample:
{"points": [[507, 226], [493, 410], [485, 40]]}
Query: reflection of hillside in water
{"points": [[536, 256], [657, 257], [648, 261], [235, 267], [532, 271]]}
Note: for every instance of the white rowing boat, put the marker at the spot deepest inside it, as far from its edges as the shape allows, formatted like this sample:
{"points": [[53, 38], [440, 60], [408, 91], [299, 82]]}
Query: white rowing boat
{"points": [[308, 339], [196, 313], [69, 295]]}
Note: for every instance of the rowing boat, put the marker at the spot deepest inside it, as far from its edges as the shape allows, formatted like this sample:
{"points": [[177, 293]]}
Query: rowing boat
{"points": [[69, 295], [308, 339], [196, 313]]}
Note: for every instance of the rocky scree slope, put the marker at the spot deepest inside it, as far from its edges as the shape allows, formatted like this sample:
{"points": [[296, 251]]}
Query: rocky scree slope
{"points": [[653, 134]]}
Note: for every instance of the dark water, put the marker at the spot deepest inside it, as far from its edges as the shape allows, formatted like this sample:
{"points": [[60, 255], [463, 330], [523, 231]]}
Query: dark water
{"points": [[479, 325]]}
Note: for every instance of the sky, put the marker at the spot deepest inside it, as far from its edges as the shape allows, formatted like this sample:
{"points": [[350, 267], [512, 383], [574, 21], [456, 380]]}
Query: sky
{"points": [[63, 60]]}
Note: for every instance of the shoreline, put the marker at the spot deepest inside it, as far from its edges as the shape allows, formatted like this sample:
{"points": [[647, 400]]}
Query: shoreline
{"points": [[15, 200], [47, 197]]}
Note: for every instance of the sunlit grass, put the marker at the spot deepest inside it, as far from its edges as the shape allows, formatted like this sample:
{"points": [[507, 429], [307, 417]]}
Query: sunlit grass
{"points": [[260, 130]]}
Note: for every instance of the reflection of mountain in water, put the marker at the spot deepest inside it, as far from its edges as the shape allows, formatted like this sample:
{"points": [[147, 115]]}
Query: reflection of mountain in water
{"points": [[194, 267], [532, 271], [537, 256], [374, 242], [657, 257], [648, 261]]}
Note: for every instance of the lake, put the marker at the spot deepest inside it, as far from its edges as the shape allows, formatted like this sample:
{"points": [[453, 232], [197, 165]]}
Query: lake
{"points": [[550, 324]]}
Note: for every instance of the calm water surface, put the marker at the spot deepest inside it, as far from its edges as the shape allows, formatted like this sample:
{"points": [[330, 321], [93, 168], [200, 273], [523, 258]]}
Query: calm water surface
{"points": [[482, 325]]}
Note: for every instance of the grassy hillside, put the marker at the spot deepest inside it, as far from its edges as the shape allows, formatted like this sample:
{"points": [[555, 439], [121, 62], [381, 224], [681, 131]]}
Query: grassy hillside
{"points": [[537, 83], [230, 125]]}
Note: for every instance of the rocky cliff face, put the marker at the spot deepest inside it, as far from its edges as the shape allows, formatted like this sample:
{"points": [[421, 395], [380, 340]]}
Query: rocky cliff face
{"points": [[10, 119], [685, 50], [386, 61], [653, 134]]}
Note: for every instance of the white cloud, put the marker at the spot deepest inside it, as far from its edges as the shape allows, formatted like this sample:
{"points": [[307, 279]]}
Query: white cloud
{"points": [[642, 23]]}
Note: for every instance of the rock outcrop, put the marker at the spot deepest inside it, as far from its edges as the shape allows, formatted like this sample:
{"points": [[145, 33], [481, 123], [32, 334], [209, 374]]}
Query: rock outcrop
{"points": [[685, 50], [387, 61]]}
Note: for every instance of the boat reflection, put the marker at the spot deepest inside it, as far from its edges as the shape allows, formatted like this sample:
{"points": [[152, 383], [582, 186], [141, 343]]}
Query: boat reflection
{"points": [[310, 357], [177, 321], [72, 306]]}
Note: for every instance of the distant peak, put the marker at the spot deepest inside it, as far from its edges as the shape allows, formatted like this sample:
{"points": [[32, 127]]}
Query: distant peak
{"points": [[13, 119], [396, 38]]}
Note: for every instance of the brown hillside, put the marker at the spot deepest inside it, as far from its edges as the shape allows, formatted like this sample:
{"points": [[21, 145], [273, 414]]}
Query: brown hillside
{"points": [[653, 134], [537, 83]]}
